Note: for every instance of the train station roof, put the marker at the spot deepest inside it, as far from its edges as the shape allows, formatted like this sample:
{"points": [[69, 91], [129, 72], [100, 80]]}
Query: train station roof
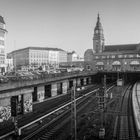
{"points": [[120, 48]]}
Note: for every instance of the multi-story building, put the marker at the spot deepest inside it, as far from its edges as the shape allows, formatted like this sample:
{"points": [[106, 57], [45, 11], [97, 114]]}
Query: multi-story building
{"points": [[9, 64], [37, 56], [72, 56], [2, 44], [111, 57], [62, 56], [73, 60]]}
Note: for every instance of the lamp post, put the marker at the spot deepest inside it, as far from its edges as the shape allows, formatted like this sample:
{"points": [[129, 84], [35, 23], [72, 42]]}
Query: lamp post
{"points": [[73, 111]]}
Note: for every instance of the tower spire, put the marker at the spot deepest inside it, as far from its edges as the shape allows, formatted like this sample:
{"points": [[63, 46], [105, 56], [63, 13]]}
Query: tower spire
{"points": [[98, 17], [98, 38]]}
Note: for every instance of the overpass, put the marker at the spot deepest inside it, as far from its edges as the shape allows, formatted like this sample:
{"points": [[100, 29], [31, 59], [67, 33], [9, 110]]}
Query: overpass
{"points": [[29, 92]]}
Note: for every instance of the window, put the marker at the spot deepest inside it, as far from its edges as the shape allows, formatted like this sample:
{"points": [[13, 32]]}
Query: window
{"points": [[125, 56], [131, 56], [96, 57], [113, 56], [103, 57], [120, 56]]}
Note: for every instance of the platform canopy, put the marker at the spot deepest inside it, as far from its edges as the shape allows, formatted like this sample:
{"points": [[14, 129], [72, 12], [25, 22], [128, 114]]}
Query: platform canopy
{"points": [[116, 63], [100, 63], [134, 62]]}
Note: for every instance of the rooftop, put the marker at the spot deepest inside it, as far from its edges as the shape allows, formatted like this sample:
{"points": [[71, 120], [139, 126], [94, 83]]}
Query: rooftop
{"points": [[38, 48], [121, 47]]}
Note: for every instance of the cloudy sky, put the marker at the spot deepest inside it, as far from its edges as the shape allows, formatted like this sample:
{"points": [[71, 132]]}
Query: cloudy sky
{"points": [[69, 24]]}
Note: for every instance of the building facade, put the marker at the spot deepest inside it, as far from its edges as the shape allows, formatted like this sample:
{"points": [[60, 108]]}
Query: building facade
{"points": [[3, 32], [37, 56], [124, 57], [73, 57], [9, 64]]}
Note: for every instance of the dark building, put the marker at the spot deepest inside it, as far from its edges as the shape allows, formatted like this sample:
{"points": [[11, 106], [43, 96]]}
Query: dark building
{"points": [[125, 57]]}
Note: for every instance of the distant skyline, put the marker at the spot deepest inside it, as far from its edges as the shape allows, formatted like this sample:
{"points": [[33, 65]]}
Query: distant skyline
{"points": [[69, 24]]}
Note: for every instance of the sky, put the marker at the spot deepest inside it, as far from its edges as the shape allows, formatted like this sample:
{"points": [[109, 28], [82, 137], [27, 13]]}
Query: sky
{"points": [[69, 24]]}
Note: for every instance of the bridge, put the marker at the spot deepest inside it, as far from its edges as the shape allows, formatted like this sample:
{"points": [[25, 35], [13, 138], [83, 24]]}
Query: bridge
{"points": [[31, 96]]}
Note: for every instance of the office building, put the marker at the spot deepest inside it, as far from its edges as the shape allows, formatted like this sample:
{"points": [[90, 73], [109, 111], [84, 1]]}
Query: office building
{"points": [[38, 56]]}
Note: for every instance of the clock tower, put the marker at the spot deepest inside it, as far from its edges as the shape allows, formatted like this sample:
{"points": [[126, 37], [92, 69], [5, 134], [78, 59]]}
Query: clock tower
{"points": [[98, 38]]}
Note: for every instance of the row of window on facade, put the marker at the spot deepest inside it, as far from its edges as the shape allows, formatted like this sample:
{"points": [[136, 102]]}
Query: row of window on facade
{"points": [[39, 55], [134, 62], [2, 59], [43, 63], [116, 65], [118, 56]]}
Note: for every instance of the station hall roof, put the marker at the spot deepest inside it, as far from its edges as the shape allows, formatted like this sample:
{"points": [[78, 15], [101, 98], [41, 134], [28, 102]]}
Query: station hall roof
{"points": [[123, 47], [38, 48]]}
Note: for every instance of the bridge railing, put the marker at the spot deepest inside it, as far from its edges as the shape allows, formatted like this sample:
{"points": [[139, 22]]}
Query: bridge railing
{"points": [[42, 79]]}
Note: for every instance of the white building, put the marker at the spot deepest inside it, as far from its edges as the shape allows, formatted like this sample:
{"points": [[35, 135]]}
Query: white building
{"points": [[9, 64], [2, 45], [37, 56], [73, 57]]}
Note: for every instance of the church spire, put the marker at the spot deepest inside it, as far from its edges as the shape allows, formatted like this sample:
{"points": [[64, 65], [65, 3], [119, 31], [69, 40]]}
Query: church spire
{"points": [[98, 39], [98, 18]]}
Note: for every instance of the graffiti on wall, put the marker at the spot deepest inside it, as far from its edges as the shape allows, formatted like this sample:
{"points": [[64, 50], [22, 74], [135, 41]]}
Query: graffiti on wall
{"points": [[40, 96], [5, 113], [28, 103]]}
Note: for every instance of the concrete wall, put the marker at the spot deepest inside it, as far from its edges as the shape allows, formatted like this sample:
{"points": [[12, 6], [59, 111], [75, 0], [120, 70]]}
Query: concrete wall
{"points": [[5, 102], [90, 80], [64, 87], [78, 82], [28, 103], [40, 93], [85, 80], [5, 109], [54, 89]]}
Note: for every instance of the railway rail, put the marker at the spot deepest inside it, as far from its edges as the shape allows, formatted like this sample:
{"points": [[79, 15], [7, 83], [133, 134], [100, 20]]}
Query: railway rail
{"points": [[124, 124], [52, 129], [24, 127]]}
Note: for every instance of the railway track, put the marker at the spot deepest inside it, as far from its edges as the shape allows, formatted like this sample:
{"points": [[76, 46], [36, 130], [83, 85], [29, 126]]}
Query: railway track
{"points": [[51, 129], [35, 124], [124, 124], [55, 127]]}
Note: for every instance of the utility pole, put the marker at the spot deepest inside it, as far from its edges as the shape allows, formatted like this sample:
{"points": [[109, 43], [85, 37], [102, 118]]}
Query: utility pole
{"points": [[73, 113], [102, 105]]}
